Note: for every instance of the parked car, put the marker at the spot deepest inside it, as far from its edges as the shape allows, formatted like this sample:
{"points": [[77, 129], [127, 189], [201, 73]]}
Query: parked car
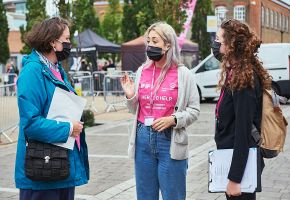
{"points": [[275, 58]]}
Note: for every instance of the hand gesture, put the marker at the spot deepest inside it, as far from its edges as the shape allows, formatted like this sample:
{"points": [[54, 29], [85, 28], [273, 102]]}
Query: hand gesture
{"points": [[128, 86]]}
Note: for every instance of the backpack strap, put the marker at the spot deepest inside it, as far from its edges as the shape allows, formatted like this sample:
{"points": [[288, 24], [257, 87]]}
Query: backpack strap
{"points": [[256, 135]]}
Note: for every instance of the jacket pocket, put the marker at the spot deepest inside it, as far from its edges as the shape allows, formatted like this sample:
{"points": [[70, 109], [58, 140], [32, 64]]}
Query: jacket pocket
{"points": [[181, 136]]}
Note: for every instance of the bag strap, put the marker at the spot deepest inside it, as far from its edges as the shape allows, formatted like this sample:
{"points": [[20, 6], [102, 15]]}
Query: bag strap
{"points": [[256, 135]]}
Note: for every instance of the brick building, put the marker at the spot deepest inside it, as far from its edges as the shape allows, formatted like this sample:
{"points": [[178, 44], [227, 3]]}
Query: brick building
{"points": [[270, 19]]}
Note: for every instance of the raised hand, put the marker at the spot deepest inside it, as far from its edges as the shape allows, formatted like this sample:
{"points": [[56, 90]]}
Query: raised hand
{"points": [[128, 86]]}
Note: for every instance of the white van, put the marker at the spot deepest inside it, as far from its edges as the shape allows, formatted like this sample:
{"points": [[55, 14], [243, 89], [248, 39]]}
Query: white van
{"points": [[275, 58]]}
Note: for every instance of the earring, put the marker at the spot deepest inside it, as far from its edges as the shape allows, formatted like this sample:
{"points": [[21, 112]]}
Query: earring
{"points": [[54, 48]]}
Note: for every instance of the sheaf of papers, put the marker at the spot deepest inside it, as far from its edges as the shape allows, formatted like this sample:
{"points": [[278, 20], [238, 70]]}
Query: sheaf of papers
{"points": [[64, 107], [219, 166]]}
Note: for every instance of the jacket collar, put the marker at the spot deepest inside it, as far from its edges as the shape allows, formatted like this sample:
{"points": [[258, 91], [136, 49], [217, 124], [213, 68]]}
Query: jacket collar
{"points": [[34, 57]]}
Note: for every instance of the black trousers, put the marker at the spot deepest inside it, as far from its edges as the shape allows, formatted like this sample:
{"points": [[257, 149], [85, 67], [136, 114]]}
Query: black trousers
{"points": [[54, 194]]}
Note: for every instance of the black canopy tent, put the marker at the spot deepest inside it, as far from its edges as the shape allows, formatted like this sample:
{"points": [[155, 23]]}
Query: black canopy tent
{"points": [[89, 43], [133, 54]]}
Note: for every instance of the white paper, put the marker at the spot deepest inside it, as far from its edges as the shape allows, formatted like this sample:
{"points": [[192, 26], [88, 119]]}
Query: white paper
{"points": [[219, 166], [148, 121], [65, 107]]}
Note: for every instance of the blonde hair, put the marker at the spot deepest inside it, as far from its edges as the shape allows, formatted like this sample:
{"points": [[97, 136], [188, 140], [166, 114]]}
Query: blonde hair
{"points": [[168, 35]]}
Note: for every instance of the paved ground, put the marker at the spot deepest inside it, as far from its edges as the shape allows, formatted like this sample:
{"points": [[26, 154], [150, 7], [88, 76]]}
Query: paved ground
{"points": [[112, 175]]}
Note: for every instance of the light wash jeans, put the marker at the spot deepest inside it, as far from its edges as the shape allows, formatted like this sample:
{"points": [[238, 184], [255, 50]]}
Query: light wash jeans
{"points": [[154, 169]]}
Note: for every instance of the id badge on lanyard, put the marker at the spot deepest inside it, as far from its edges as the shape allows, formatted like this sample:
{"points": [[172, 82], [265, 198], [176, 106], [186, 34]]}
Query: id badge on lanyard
{"points": [[148, 120]]}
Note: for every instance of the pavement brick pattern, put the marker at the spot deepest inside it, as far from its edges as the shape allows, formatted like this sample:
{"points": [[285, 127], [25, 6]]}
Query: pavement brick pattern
{"points": [[112, 173]]}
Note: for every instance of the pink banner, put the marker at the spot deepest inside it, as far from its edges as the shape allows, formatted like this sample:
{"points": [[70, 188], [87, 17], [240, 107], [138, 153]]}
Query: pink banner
{"points": [[186, 25]]}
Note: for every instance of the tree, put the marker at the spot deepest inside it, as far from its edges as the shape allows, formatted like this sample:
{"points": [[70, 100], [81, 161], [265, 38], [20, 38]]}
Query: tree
{"points": [[111, 26], [36, 13], [64, 8], [199, 33], [4, 30], [138, 15], [129, 27], [172, 12], [84, 16]]}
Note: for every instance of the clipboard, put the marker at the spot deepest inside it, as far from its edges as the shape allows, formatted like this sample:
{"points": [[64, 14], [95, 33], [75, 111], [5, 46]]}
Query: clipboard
{"points": [[219, 162], [65, 107]]}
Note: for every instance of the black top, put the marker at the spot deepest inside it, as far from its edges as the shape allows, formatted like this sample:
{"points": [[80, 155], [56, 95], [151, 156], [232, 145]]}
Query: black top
{"points": [[237, 112]]}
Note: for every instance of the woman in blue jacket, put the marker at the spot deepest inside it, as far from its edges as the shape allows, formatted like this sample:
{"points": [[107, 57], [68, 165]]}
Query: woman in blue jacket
{"points": [[40, 76]]}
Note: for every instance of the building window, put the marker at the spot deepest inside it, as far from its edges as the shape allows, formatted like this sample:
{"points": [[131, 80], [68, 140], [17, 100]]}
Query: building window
{"points": [[240, 13], [280, 22], [220, 12], [267, 18], [20, 8], [271, 19], [263, 16], [287, 24], [275, 20]]}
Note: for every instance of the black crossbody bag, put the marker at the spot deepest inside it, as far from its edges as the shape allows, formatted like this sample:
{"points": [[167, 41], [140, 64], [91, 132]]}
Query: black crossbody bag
{"points": [[46, 162]]}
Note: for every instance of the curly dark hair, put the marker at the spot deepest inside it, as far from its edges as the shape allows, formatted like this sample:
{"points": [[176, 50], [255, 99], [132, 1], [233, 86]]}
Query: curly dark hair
{"points": [[241, 55]]}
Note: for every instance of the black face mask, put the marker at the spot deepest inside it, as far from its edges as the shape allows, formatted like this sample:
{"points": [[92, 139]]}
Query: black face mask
{"points": [[216, 50], [64, 54], [154, 53]]}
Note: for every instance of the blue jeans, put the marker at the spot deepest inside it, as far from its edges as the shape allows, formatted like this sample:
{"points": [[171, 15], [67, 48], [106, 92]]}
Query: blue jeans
{"points": [[154, 169]]}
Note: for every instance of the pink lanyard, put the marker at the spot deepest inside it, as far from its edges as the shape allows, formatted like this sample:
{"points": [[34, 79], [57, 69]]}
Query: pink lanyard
{"points": [[222, 94], [151, 91]]}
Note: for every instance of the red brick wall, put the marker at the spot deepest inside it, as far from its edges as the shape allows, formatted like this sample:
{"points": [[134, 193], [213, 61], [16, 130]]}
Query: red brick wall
{"points": [[271, 35], [253, 17]]}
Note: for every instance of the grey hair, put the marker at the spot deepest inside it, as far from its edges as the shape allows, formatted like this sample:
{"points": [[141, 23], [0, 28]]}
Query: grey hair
{"points": [[168, 35]]}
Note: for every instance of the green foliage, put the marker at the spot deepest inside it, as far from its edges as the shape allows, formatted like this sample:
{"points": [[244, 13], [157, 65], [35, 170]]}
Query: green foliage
{"points": [[36, 13], [84, 16], [129, 27], [138, 15], [63, 8], [199, 34], [89, 118], [171, 12], [111, 26], [4, 30]]}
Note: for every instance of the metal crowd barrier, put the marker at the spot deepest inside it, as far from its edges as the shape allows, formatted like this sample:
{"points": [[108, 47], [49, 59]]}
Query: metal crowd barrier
{"points": [[113, 92], [83, 79], [9, 117], [101, 83], [8, 79]]}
